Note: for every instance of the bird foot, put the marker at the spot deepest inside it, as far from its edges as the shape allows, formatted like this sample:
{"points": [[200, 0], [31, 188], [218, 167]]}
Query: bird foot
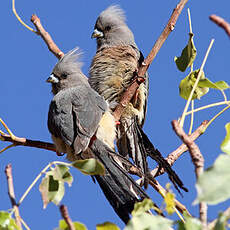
{"points": [[139, 79]]}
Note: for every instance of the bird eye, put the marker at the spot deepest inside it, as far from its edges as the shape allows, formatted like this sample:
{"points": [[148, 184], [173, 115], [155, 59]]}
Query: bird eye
{"points": [[107, 28], [64, 75]]}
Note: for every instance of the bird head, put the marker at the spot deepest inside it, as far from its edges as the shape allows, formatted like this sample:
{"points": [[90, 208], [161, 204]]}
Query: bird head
{"points": [[111, 29], [67, 72]]}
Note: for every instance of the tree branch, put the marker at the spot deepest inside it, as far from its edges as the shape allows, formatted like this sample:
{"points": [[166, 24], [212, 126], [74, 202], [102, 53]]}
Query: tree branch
{"points": [[66, 217], [129, 92], [156, 185], [8, 172], [127, 96], [173, 156], [198, 162], [221, 23], [46, 37], [17, 141]]}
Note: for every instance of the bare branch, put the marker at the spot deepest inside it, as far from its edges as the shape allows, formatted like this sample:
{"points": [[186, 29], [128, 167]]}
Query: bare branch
{"points": [[8, 172], [221, 23], [66, 217], [198, 162], [46, 37], [17, 141], [127, 96], [173, 156], [156, 185]]}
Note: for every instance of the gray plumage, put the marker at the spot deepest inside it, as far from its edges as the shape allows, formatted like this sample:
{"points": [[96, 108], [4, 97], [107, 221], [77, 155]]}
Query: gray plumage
{"points": [[76, 109], [112, 71], [111, 22], [81, 125]]}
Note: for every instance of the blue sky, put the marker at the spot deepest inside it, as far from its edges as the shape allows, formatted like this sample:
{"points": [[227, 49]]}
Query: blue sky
{"points": [[25, 96]]}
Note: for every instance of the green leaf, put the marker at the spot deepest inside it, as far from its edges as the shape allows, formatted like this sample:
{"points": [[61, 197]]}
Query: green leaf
{"points": [[221, 222], [213, 185], [220, 85], [187, 84], [6, 222], [190, 224], [188, 55], [225, 146], [142, 207], [107, 226], [79, 226], [64, 226], [146, 221], [51, 190], [61, 173], [170, 202], [89, 167]]}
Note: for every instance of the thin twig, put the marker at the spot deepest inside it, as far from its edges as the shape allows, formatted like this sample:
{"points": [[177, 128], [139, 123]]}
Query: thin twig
{"points": [[192, 118], [198, 161], [208, 106], [38, 177], [27, 142], [46, 37], [213, 223], [156, 185], [8, 172], [221, 23], [173, 156], [19, 19], [126, 97], [66, 217], [217, 115], [195, 84]]}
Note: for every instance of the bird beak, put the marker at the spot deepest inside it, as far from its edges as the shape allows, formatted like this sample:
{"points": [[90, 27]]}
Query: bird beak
{"points": [[52, 79], [97, 34]]}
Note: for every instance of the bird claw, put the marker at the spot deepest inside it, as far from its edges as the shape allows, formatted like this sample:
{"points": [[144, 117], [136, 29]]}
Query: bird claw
{"points": [[117, 122], [139, 79], [13, 137]]}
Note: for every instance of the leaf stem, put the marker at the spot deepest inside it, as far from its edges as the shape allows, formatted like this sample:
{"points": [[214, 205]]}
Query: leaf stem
{"points": [[192, 118], [190, 22], [208, 106], [33, 183], [25, 225], [217, 115], [38, 177], [19, 19], [195, 85]]}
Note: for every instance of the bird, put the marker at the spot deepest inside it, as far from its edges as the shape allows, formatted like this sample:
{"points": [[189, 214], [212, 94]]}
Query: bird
{"points": [[82, 126], [113, 69]]}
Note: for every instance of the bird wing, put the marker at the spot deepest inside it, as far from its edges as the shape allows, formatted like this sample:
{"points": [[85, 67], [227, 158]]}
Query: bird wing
{"points": [[74, 116]]}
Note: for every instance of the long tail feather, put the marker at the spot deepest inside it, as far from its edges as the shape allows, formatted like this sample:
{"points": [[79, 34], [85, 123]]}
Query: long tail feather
{"points": [[128, 145], [120, 189], [156, 155]]}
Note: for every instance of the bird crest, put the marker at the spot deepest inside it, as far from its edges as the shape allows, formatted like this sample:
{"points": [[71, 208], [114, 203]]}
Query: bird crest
{"points": [[113, 12]]}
